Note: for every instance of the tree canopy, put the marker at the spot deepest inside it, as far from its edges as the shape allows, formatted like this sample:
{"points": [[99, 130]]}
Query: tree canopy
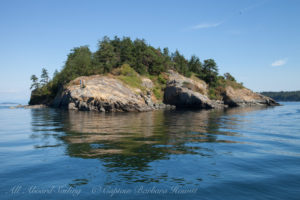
{"points": [[35, 83], [44, 77]]}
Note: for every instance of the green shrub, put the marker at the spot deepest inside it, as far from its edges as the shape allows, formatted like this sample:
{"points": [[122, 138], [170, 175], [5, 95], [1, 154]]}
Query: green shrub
{"points": [[132, 81], [129, 76], [158, 93], [161, 79], [126, 70], [234, 84]]}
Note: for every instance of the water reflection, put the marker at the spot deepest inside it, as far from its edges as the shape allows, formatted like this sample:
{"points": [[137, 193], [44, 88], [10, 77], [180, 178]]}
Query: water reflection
{"points": [[132, 140]]}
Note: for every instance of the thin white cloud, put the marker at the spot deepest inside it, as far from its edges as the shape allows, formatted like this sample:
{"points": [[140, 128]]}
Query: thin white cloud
{"points": [[278, 63], [206, 25], [233, 15], [246, 9]]}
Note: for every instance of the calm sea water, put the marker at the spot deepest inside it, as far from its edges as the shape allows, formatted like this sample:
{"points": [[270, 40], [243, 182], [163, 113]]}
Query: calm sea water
{"points": [[243, 153]]}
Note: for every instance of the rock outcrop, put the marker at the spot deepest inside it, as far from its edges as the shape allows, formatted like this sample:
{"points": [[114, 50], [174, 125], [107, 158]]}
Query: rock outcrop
{"points": [[187, 92], [105, 94], [245, 97]]}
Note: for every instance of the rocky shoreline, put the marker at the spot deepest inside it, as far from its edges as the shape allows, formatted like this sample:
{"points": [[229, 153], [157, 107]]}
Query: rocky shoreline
{"points": [[29, 106]]}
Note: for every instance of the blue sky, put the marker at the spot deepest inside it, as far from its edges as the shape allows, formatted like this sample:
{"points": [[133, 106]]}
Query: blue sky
{"points": [[258, 41]]}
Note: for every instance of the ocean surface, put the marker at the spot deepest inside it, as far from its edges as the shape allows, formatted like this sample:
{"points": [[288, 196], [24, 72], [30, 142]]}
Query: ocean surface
{"points": [[241, 153]]}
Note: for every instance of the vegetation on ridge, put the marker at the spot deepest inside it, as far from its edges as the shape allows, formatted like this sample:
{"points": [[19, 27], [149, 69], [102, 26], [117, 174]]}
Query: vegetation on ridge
{"points": [[130, 77], [137, 57]]}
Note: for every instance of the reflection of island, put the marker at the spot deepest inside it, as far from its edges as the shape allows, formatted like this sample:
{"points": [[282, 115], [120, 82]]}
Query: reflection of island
{"points": [[133, 140]]}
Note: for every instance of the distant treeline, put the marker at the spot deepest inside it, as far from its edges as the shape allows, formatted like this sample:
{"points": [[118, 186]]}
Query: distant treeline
{"points": [[283, 96]]}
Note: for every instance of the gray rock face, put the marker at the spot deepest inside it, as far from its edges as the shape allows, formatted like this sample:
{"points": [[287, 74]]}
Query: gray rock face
{"points": [[183, 97], [245, 97], [147, 83], [104, 94], [185, 92]]}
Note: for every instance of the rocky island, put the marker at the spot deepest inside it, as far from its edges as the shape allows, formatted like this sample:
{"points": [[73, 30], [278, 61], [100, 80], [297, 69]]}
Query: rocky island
{"points": [[125, 75]]}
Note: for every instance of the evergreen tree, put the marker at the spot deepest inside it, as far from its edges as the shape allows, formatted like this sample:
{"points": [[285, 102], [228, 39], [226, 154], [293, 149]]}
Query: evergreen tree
{"points": [[166, 52], [106, 56], [35, 83], [55, 73], [127, 54], [210, 72], [139, 60], [180, 63], [79, 63], [44, 77], [195, 65], [154, 61], [167, 59], [229, 77]]}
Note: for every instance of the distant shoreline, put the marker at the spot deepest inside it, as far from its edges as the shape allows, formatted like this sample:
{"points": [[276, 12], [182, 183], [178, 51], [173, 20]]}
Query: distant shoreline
{"points": [[283, 95], [29, 106], [7, 102]]}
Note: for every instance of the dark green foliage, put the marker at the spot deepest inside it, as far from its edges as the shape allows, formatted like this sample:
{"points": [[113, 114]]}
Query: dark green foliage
{"points": [[79, 63], [138, 55], [166, 52], [142, 57], [229, 77], [55, 73], [127, 50], [195, 65], [35, 84], [40, 95], [180, 63], [283, 96], [161, 79], [209, 72], [38, 98], [44, 77], [106, 58]]}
